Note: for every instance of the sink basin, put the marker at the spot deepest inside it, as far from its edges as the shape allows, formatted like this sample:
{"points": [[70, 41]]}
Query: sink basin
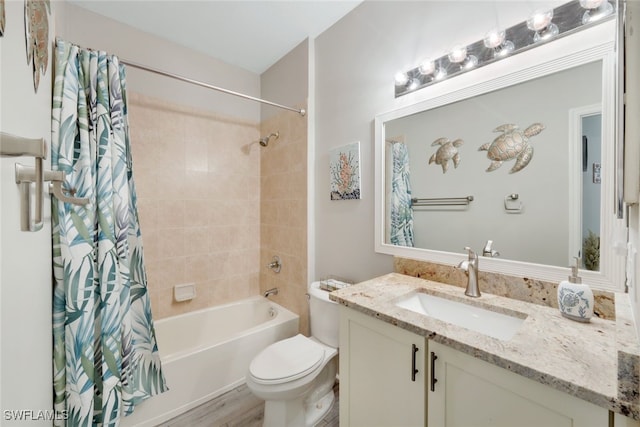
{"points": [[491, 323]]}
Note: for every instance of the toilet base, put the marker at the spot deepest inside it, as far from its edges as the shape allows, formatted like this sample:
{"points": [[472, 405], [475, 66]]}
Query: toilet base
{"points": [[315, 414], [296, 413]]}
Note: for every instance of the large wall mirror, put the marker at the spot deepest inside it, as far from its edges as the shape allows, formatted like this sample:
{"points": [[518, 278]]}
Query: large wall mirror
{"points": [[522, 154]]}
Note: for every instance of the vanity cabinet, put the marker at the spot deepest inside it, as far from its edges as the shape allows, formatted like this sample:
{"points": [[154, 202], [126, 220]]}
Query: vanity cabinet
{"points": [[382, 373], [390, 377], [471, 392]]}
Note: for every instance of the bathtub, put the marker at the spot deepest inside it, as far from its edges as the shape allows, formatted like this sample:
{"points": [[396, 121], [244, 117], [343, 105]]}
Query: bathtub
{"points": [[206, 353]]}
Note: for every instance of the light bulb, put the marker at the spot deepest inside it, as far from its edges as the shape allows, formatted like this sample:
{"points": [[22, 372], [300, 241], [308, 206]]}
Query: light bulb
{"points": [[540, 20], [596, 10], [494, 38], [541, 23], [426, 67], [458, 54], [591, 4], [401, 78]]}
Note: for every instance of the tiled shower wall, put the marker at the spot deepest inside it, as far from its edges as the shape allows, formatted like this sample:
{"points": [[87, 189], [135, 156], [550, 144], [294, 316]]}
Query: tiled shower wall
{"points": [[283, 218], [198, 186]]}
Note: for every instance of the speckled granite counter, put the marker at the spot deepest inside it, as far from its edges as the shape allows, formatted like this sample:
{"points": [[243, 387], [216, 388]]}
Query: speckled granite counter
{"points": [[597, 361]]}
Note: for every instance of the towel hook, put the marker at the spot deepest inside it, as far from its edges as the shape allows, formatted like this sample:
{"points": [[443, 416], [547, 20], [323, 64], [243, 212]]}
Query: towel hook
{"points": [[26, 175], [14, 146]]}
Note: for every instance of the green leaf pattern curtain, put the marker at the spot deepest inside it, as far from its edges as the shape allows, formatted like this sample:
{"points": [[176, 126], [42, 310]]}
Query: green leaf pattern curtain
{"points": [[401, 232], [105, 357]]}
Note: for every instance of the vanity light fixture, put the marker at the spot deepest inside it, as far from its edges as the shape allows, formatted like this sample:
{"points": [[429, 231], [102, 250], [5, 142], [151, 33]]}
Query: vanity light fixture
{"points": [[595, 10], [565, 19], [541, 22]]}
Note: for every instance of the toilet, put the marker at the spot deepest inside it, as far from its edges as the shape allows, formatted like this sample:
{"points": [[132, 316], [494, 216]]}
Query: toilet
{"points": [[295, 376]]}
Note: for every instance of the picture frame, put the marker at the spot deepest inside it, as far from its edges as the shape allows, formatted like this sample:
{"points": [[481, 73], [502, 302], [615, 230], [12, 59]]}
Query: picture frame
{"points": [[344, 172]]}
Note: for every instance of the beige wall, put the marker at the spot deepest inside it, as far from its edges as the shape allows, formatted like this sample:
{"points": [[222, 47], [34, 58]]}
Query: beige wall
{"points": [[198, 183], [283, 212], [287, 81], [284, 166]]}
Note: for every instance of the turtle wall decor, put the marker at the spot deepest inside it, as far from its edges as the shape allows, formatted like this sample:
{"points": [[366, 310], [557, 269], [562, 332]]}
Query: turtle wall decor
{"points": [[512, 143], [36, 20], [448, 151]]}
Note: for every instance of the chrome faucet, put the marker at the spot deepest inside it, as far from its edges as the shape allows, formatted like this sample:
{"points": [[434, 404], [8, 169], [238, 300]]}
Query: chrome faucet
{"points": [[470, 267], [269, 292], [488, 252]]}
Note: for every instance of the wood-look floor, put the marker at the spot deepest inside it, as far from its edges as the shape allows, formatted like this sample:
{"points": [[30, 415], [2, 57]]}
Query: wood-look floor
{"points": [[237, 408]]}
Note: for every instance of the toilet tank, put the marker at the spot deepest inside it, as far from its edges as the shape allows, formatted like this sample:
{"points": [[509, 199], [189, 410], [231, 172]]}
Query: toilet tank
{"points": [[324, 316]]}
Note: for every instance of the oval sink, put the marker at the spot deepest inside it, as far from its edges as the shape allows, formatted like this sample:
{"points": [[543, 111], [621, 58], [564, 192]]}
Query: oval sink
{"points": [[491, 323]]}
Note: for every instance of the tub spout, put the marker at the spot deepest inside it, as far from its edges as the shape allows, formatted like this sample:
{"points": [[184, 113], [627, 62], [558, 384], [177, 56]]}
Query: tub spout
{"points": [[269, 292]]}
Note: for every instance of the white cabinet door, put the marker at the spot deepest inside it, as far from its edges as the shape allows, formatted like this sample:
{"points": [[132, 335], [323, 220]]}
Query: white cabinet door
{"points": [[473, 393], [620, 420], [382, 373]]}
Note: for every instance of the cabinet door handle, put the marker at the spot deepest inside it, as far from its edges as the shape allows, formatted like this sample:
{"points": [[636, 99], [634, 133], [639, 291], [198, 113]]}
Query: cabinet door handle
{"points": [[433, 371], [414, 371]]}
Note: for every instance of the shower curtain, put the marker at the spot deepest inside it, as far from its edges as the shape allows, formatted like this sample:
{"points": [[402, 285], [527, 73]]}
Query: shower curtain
{"points": [[105, 357], [401, 232]]}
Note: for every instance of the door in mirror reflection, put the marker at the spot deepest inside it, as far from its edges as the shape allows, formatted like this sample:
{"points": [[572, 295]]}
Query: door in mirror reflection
{"points": [[591, 184]]}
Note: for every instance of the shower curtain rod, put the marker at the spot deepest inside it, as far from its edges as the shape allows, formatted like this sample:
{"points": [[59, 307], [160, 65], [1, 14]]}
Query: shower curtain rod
{"points": [[302, 112]]}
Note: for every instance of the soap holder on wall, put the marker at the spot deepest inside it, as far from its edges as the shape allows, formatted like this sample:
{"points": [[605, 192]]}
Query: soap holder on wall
{"points": [[185, 292], [512, 204]]}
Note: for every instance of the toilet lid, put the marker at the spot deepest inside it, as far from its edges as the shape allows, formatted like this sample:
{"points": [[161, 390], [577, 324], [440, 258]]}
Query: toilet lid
{"points": [[286, 360]]}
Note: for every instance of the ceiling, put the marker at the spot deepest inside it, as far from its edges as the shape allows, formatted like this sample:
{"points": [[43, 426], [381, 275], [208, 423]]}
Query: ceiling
{"points": [[246, 33]]}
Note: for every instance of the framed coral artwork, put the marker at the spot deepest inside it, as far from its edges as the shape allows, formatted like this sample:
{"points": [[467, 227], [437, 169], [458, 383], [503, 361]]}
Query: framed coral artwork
{"points": [[344, 172]]}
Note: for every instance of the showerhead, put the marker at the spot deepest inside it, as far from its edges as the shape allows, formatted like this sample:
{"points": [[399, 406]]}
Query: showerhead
{"points": [[265, 141]]}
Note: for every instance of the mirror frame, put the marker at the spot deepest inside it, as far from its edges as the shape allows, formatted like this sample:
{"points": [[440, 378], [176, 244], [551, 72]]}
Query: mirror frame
{"points": [[594, 44]]}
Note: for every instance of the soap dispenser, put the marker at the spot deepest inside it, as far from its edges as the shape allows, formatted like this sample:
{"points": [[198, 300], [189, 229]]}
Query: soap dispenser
{"points": [[575, 299]]}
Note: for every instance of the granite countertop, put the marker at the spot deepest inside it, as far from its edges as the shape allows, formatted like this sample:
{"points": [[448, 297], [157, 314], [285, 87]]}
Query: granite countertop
{"points": [[597, 361]]}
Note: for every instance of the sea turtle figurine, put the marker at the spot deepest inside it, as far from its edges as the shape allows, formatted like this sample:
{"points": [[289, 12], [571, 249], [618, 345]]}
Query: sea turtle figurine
{"points": [[448, 151], [512, 144]]}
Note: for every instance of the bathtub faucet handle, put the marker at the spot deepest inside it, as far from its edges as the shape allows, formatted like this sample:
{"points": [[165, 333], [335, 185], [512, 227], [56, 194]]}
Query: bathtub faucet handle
{"points": [[275, 264]]}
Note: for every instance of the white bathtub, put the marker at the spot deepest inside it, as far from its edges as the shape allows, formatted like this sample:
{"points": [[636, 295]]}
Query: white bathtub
{"points": [[207, 353]]}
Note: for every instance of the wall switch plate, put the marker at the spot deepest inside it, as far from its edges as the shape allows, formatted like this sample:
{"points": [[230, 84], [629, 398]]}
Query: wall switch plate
{"points": [[596, 173]]}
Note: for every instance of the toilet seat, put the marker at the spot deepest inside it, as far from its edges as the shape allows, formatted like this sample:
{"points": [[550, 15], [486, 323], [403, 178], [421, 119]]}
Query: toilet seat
{"points": [[287, 360]]}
